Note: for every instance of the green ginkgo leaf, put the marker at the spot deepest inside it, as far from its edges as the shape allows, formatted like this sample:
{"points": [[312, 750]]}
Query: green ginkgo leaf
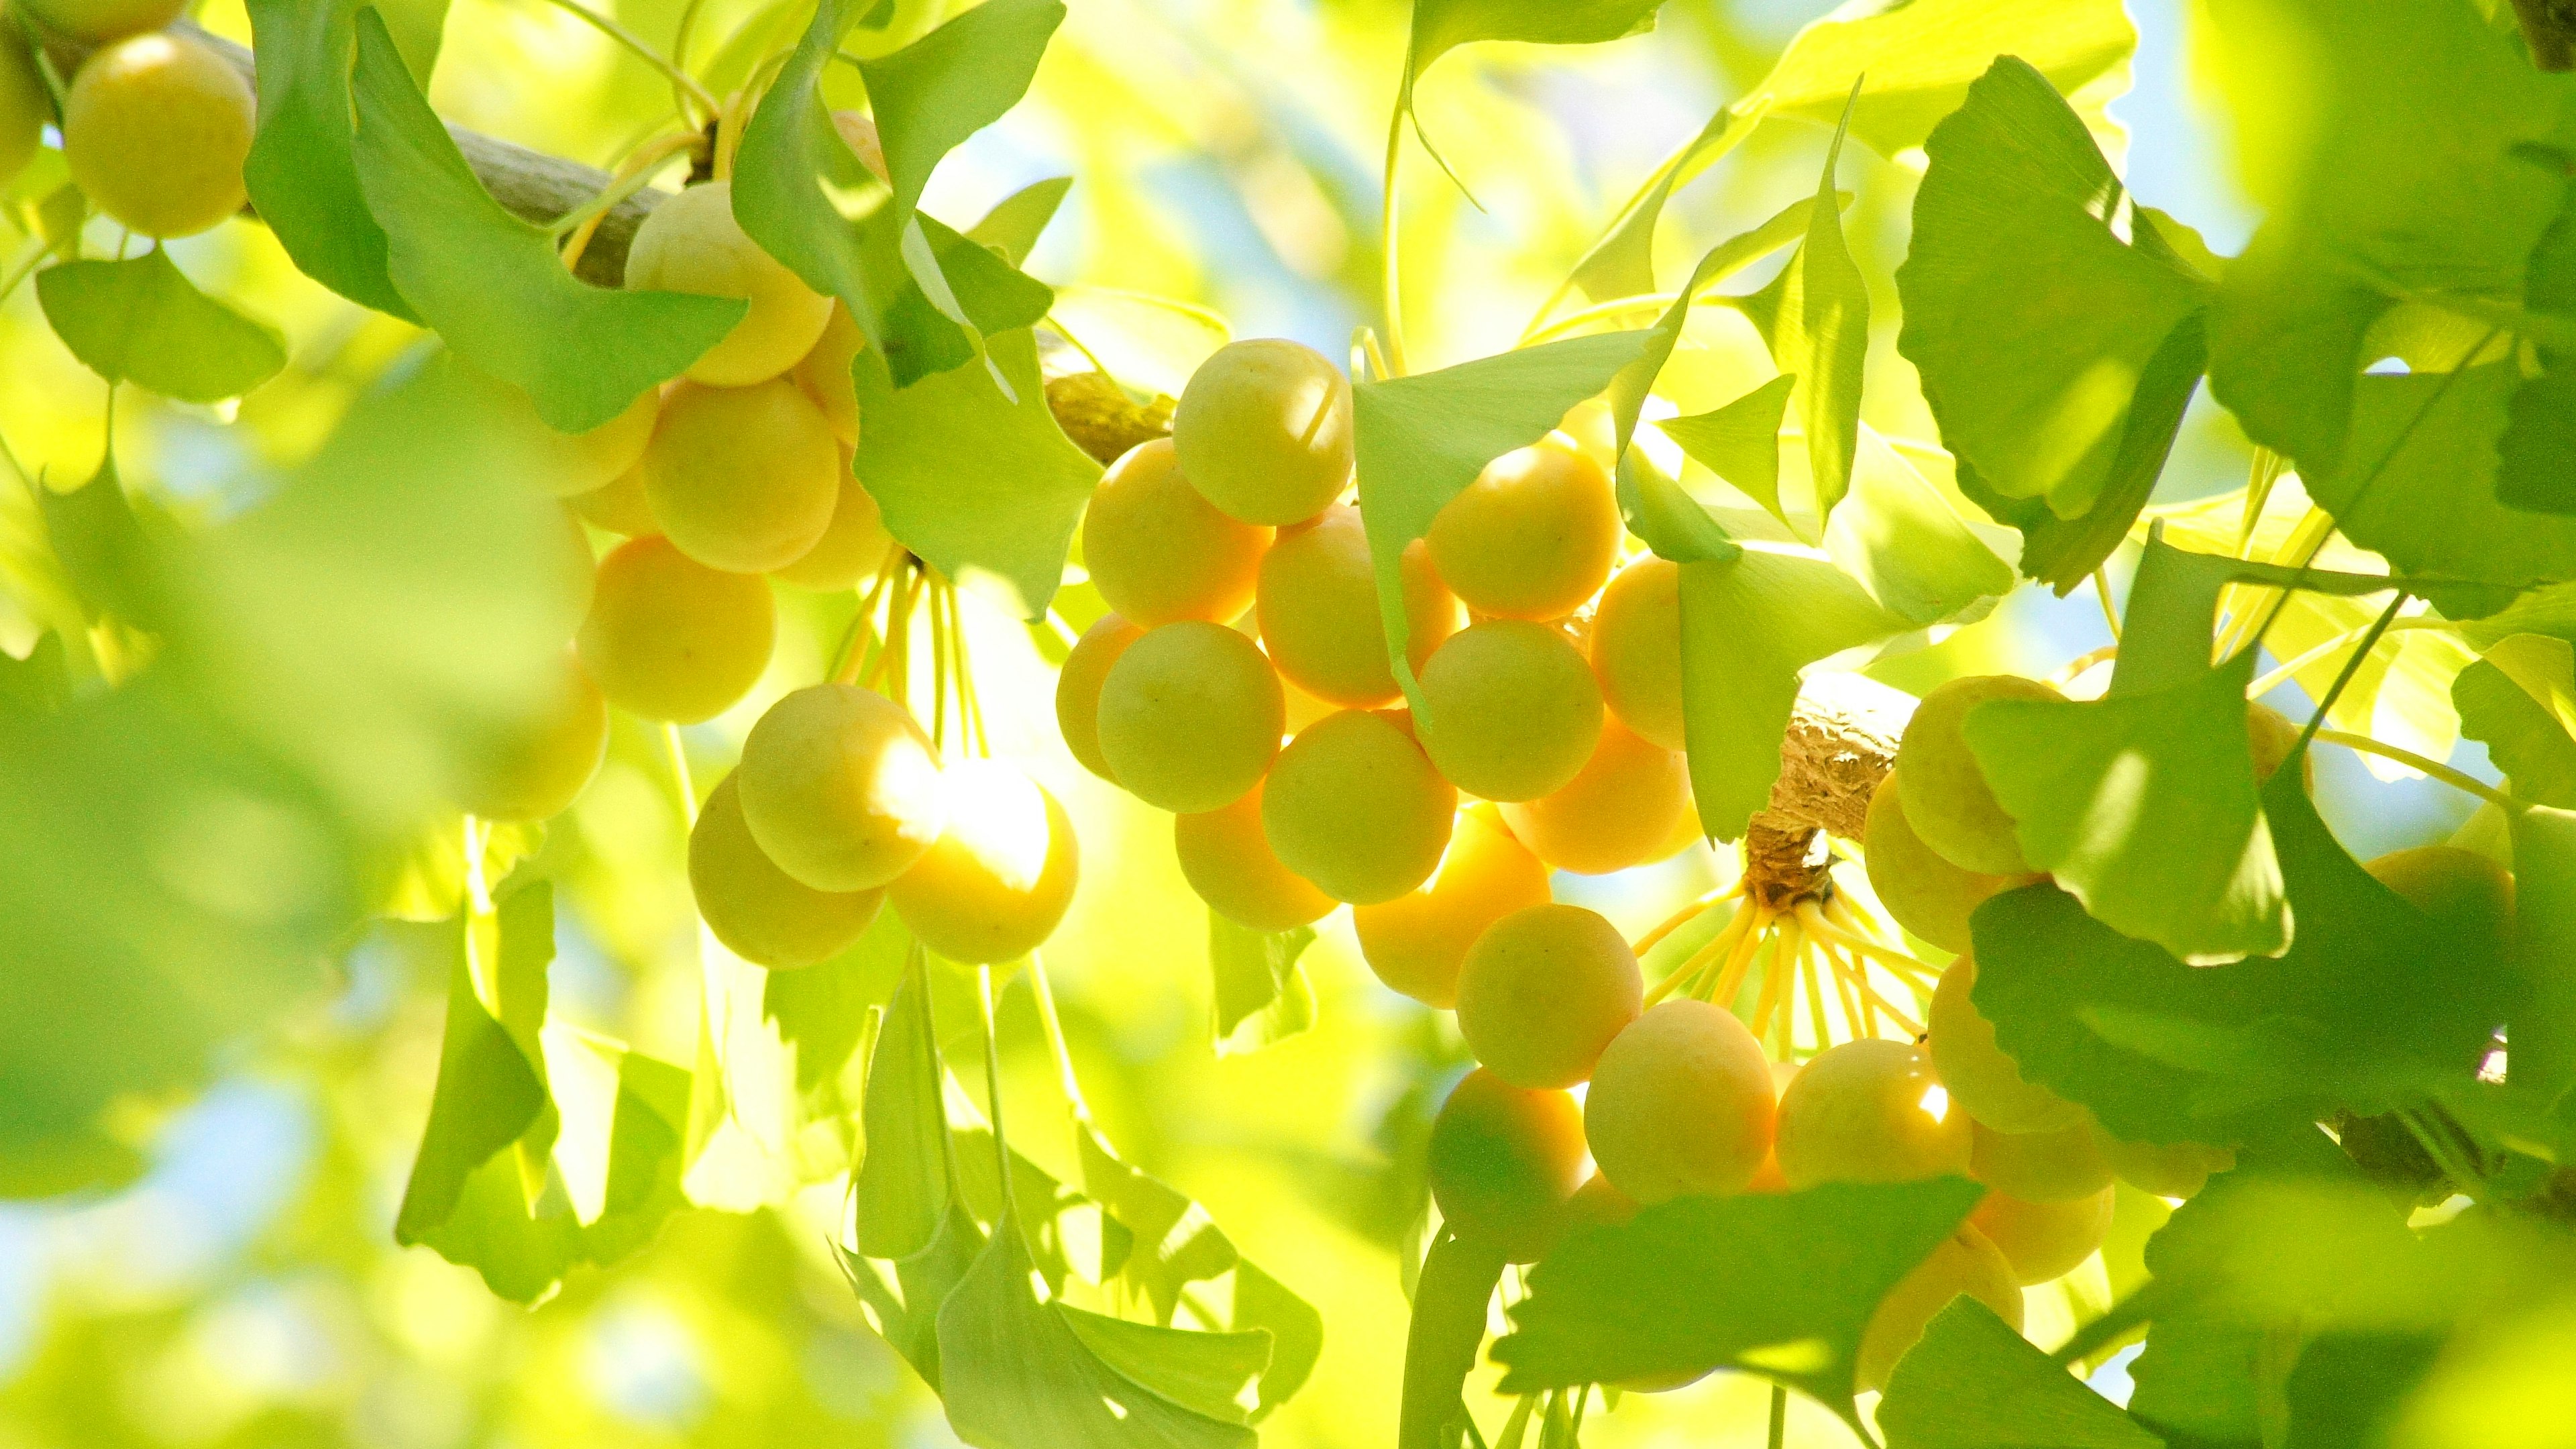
{"points": [[1740, 442], [2520, 702], [492, 284], [1262, 995], [142, 321], [302, 175], [1974, 1383]]}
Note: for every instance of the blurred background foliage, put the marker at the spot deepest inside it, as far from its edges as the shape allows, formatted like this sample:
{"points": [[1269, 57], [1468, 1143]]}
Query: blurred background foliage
{"points": [[244, 1288]]}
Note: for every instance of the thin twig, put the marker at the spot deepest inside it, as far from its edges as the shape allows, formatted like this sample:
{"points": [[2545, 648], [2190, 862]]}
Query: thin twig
{"points": [[2435, 768], [635, 43]]}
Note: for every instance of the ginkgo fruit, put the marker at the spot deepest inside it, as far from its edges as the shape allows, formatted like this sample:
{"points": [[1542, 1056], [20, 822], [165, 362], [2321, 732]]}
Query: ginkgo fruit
{"points": [[1190, 716], [2468, 896], [761, 913], [2270, 734], [1870, 1111], [1001, 875], [1965, 1262], [2167, 1169], [669, 638], [155, 130], [1078, 684], [1505, 1163], [1987, 1083], [1318, 608], [1159, 552], [533, 767], [1622, 809], [2043, 1240], [26, 108], [2057, 1166], [575, 575], [1263, 429], [1947, 800], [824, 373], [1227, 859], [571, 464], [1543, 992], [1533, 537], [842, 787], [1354, 806], [104, 20], [691, 243], [1417, 942], [1680, 1103], [854, 544], [742, 478], [1919, 887], [619, 506], [1513, 710], [1637, 649]]}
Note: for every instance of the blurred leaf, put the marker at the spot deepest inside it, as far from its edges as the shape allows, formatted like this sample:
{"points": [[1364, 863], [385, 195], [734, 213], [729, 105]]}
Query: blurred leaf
{"points": [[1740, 442], [1261, 992], [1017, 1375], [1915, 63], [116, 568], [2536, 454], [1815, 316], [1900, 538], [38, 684], [491, 1088], [1775, 1284], [302, 173], [2378, 180], [2348, 1388], [1209, 1374], [1440, 26], [53, 1163], [1422, 439], [1974, 1383], [492, 284], [2034, 326], [429, 884], [1660, 511], [901, 1189], [142, 321], [1751, 624], [2204, 1383], [1151, 344], [2519, 702], [2371, 1002], [987, 490], [2544, 908], [1451, 1298], [1014, 224]]}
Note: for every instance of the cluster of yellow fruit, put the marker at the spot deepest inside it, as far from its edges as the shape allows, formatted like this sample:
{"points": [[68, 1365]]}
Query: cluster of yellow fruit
{"points": [[155, 124], [1245, 610]]}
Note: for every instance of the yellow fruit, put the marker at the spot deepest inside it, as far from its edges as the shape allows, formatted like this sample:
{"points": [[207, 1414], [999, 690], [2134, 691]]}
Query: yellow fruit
{"points": [[1680, 1103], [1264, 430], [1946, 798], [2270, 734], [669, 638], [2468, 896], [1543, 992], [2167, 1169], [25, 106], [1505, 1164], [619, 506], [155, 130], [1417, 942], [841, 787], [1190, 717], [1987, 1084], [1078, 685], [1870, 1111], [1160, 552], [1965, 1262], [571, 464], [1354, 806], [1533, 537], [1513, 710], [2043, 1240], [1318, 608], [1637, 649], [691, 243], [824, 374], [761, 913], [577, 572], [742, 478], [102, 20], [853, 547], [1924, 892], [1228, 861], [1001, 875], [2058, 1166], [1622, 809], [534, 768]]}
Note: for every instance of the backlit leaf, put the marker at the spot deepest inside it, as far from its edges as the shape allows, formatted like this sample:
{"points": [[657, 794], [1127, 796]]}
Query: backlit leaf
{"points": [[1973, 1383], [142, 321], [302, 175], [1261, 992]]}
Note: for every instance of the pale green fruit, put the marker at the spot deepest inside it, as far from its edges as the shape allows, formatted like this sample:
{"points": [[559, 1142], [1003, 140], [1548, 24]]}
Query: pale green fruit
{"points": [[1946, 798], [1354, 806], [824, 374], [1637, 649], [155, 130], [1190, 717], [1985, 1081], [2057, 1166], [2043, 1240], [1923, 891], [691, 243], [1544, 991], [571, 465], [1869, 1111], [104, 20], [669, 638], [1680, 1103], [1079, 683], [1228, 861], [25, 107], [1263, 429], [1318, 608], [1418, 942], [761, 913], [2167, 1169], [1533, 537], [1159, 552], [743, 479], [1513, 710], [1505, 1163], [1965, 1262], [1628, 805], [851, 549], [841, 787], [534, 767]]}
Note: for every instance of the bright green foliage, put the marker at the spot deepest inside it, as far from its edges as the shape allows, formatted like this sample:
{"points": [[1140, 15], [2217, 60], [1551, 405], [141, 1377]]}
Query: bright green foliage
{"points": [[1980, 1077], [1973, 1382], [302, 173], [490, 283], [691, 243], [1740, 442], [1815, 316], [1262, 995]]}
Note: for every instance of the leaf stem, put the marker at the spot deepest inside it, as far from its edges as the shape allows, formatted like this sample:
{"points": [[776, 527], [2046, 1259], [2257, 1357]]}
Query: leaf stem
{"points": [[2110, 614], [680, 773], [2351, 667], [2468, 784], [1390, 273], [993, 1087], [1779, 1416], [633, 42]]}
